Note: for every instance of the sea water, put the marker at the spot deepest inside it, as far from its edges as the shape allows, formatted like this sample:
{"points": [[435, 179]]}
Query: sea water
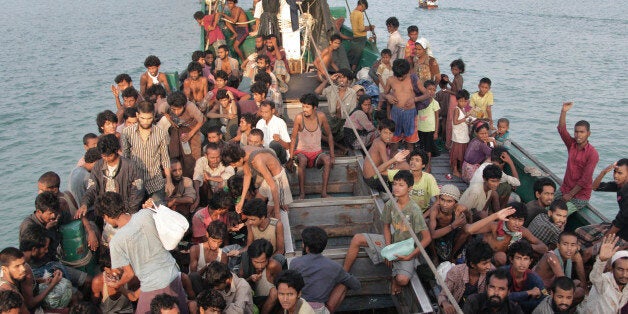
{"points": [[58, 61]]}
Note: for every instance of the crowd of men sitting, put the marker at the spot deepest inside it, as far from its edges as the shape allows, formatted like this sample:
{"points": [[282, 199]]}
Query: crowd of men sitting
{"points": [[218, 153]]}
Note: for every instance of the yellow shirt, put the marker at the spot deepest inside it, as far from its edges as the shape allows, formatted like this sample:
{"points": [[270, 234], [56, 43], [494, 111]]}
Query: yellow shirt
{"points": [[357, 23], [479, 104]]}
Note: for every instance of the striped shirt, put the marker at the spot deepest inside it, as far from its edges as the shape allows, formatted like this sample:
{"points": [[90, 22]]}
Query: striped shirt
{"points": [[150, 155]]}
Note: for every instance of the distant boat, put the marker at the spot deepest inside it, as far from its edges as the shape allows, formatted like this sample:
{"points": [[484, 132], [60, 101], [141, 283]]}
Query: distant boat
{"points": [[428, 4]]}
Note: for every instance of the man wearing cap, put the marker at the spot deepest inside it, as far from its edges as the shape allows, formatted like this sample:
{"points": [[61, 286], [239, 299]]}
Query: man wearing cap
{"points": [[608, 294], [447, 221]]}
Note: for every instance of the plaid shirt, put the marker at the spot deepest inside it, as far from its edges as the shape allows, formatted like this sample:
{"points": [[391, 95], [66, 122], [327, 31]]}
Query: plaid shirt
{"points": [[151, 155], [542, 228]]}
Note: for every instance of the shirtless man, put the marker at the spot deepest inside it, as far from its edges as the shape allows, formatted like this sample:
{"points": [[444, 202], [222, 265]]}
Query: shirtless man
{"points": [[504, 228], [195, 86], [152, 76], [240, 30], [561, 262], [447, 221], [123, 81], [308, 151], [380, 153], [325, 62], [226, 63], [400, 97]]}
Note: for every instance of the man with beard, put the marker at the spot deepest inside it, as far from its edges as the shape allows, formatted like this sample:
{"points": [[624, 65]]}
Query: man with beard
{"points": [[577, 184], [184, 196], [226, 63], [307, 133], [495, 299], [235, 290], [526, 287], [187, 121], [249, 65], [278, 61], [14, 271], [339, 95], [195, 86], [561, 300], [210, 174], [609, 293], [263, 66], [261, 272], [147, 145], [544, 189], [548, 226]]}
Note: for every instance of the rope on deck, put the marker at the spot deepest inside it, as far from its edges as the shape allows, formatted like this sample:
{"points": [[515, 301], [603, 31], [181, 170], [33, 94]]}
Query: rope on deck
{"points": [[417, 242]]}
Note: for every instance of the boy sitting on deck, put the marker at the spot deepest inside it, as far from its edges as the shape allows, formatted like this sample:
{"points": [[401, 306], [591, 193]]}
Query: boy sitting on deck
{"points": [[381, 155], [403, 268], [425, 186]]}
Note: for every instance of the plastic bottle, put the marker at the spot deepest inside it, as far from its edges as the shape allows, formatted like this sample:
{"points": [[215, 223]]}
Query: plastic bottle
{"points": [[186, 148]]}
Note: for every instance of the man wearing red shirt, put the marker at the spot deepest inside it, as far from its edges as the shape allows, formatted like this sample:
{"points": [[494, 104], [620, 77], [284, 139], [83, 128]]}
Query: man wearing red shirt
{"points": [[582, 159]]}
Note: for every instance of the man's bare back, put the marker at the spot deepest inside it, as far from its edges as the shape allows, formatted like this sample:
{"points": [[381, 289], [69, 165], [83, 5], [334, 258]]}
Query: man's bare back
{"points": [[400, 92]]}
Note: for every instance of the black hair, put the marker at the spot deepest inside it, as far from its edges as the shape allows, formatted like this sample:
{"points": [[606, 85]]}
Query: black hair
{"points": [[255, 207], [198, 15], [541, 182], [50, 179], [486, 80], [521, 247], [256, 131], [386, 124], [499, 273], [152, 61], [400, 67], [88, 137], [214, 129], [386, 51], [463, 93], [195, 66], [122, 77], [406, 176], [108, 144], [250, 118], [425, 159], [130, 112], [479, 125], [221, 75], [364, 3], [147, 106], [224, 47], [156, 90], [84, 307], [334, 37], [231, 153], [269, 36], [47, 201], [567, 233], [35, 238], [442, 83], [259, 246], [496, 154], [520, 210], [267, 103], [221, 200], [263, 57], [564, 283], [103, 117], [264, 78], [361, 100], [491, 172], [259, 88], [346, 73], [8, 255], [291, 278], [558, 204], [163, 301], [429, 83], [309, 99], [583, 123], [207, 299], [10, 300], [503, 120], [478, 250], [130, 92], [622, 162], [212, 146], [392, 21], [217, 230], [110, 204], [92, 155], [413, 28], [177, 99], [222, 94], [315, 239], [197, 55], [235, 184], [215, 273], [458, 63]]}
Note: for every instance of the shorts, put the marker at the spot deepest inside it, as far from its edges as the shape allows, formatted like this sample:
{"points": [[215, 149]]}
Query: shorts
{"points": [[405, 125], [374, 184], [283, 186], [427, 142], [312, 157], [376, 243], [242, 32], [405, 268]]}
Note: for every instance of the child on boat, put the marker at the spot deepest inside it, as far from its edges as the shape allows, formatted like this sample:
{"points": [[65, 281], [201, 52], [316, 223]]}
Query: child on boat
{"points": [[427, 124], [403, 268], [482, 102], [381, 153], [459, 133], [502, 136]]}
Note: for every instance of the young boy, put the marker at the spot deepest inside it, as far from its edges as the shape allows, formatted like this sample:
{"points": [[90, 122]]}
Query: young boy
{"points": [[403, 267], [442, 97], [447, 221], [236, 23], [213, 33], [225, 115], [247, 122], [260, 226], [216, 210], [152, 76], [89, 141], [413, 35], [425, 186], [209, 250], [427, 124], [482, 101], [380, 154], [526, 287], [384, 71], [326, 61], [502, 136]]}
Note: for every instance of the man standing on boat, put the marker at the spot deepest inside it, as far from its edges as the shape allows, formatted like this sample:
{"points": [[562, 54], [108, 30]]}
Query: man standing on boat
{"points": [[359, 34], [582, 159]]}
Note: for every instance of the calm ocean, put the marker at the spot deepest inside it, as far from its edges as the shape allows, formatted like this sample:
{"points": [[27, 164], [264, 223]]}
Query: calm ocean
{"points": [[59, 60]]}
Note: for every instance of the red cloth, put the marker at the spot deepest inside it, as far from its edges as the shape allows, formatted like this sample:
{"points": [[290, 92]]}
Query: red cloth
{"points": [[580, 165], [216, 33]]}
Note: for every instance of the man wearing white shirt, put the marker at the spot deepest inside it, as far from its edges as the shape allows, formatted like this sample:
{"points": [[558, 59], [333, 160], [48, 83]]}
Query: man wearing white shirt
{"points": [[499, 158], [396, 43], [276, 136]]}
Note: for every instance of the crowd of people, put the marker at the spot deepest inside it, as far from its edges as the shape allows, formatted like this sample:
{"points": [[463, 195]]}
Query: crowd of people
{"points": [[217, 150]]}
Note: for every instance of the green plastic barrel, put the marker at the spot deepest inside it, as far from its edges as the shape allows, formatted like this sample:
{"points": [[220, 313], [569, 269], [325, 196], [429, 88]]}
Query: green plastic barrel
{"points": [[173, 80], [76, 254]]}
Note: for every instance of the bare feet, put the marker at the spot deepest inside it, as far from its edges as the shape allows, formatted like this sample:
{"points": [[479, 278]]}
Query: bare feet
{"points": [[395, 289], [325, 195], [302, 196], [456, 174]]}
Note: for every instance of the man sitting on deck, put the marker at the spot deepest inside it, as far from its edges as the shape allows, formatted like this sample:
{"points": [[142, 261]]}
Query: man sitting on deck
{"points": [[482, 199], [544, 189], [380, 153], [548, 226], [326, 61], [403, 267], [500, 158], [325, 281], [275, 130], [152, 76], [447, 221], [576, 187], [425, 186], [195, 86], [503, 228], [338, 96], [237, 24], [308, 152], [526, 287]]}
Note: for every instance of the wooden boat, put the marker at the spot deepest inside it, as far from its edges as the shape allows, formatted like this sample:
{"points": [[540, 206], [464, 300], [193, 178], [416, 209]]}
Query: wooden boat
{"points": [[428, 4]]}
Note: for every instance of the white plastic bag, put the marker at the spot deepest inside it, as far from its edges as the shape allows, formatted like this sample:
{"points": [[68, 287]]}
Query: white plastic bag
{"points": [[402, 248], [171, 226], [444, 268]]}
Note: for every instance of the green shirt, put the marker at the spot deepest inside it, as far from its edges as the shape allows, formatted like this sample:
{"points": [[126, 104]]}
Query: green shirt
{"points": [[422, 191], [427, 119], [413, 214]]}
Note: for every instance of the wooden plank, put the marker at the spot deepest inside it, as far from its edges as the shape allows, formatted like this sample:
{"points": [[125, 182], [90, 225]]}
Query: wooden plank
{"points": [[334, 231]]}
